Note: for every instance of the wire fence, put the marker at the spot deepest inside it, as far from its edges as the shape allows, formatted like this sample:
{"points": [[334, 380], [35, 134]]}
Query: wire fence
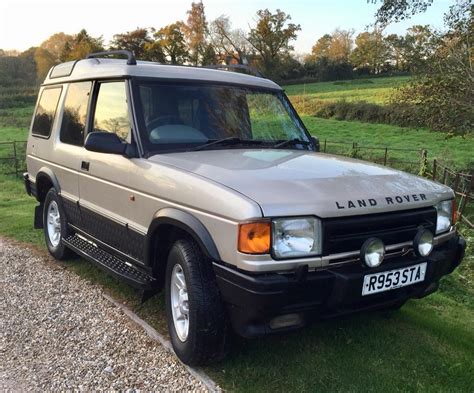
{"points": [[13, 158], [463, 186], [13, 162], [387, 156]]}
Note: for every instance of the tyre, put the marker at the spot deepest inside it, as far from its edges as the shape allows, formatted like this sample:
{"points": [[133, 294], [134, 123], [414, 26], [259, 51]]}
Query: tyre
{"points": [[197, 321], [55, 226]]}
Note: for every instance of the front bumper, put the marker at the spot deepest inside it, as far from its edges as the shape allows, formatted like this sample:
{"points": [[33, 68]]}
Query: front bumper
{"points": [[254, 300]]}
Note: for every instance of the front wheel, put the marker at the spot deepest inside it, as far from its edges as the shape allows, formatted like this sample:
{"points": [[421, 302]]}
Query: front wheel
{"points": [[55, 225], [197, 321]]}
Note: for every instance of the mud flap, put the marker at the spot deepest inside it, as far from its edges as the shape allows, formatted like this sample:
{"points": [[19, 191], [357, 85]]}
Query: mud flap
{"points": [[38, 220]]}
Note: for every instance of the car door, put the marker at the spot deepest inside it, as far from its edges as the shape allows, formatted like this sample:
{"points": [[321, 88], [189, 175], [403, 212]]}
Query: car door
{"points": [[69, 146], [104, 178]]}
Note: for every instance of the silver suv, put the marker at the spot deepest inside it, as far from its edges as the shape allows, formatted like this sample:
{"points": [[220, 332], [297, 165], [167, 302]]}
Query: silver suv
{"points": [[207, 185]]}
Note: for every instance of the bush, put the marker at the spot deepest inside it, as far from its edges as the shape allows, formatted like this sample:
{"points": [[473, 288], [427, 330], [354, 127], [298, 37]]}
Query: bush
{"points": [[396, 114]]}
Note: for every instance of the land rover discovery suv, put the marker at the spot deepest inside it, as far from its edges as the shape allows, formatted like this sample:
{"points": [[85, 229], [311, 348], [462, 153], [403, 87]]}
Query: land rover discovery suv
{"points": [[206, 184]]}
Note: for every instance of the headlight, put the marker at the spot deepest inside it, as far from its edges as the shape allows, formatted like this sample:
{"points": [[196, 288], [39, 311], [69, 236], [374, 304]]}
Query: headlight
{"points": [[445, 214], [296, 237]]}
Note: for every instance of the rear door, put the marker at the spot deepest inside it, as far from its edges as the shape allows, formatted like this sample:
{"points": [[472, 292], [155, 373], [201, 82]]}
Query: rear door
{"points": [[69, 146], [104, 190]]}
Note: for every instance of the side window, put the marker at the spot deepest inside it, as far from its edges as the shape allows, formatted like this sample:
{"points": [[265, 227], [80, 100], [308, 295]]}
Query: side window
{"points": [[75, 113], [46, 112], [111, 110]]}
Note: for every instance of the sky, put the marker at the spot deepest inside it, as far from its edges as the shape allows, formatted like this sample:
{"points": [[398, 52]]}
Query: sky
{"points": [[28, 23]]}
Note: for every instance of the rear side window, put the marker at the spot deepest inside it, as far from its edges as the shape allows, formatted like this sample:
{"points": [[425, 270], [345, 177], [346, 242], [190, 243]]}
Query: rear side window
{"points": [[46, 112], [75, 113]]}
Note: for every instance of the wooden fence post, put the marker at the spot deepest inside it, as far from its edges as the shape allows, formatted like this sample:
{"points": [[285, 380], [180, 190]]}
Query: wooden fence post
{"points": [[424, 162], [434, 169], [467, 195], [385, 157], [325, 141], [15, 158], [304, 98], [354, 150], [456, 182]]}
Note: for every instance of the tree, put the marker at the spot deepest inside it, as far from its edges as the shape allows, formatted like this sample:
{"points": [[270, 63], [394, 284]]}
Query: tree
{"points": [[135, 41], [209, 55], [196, 31], [371, 51], [336, 46], [55, 45], [271, 38], [230, 44], [18, 70], [441, 91], [341, 45], [397, 10], [321, 48], [396, 47], [419, 46], [171, 39], [44, 61], [155, 52], [81, 45]]}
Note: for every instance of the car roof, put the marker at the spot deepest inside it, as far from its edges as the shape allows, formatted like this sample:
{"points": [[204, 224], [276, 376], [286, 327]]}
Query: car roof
{"points": [[100, 68]]}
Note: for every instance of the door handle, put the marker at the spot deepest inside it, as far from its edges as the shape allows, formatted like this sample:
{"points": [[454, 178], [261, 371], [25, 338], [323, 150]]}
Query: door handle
{"points": [[85, 166]]}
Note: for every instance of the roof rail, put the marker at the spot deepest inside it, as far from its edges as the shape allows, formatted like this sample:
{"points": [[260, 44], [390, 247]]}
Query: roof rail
{"points": [[130, 56], [232, 67]]}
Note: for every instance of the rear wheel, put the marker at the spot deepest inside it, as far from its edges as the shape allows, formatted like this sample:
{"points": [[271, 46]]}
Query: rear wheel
{"points": [[55, 225], [196, 316]]}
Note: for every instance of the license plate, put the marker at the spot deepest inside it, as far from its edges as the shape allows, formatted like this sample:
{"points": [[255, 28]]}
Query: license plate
{"points": [[386, 281]]}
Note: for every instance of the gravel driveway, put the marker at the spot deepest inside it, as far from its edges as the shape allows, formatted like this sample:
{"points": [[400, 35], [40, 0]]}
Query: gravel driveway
{"points": [[58, 332]]}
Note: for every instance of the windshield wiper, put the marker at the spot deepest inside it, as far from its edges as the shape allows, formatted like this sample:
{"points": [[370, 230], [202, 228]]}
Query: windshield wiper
{"points": [[291, 142], [232, 140]]}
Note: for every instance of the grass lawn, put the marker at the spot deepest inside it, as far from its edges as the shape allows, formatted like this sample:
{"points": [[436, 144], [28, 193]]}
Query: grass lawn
{"points": [[375, 90], [10, 134], [455, 152]]}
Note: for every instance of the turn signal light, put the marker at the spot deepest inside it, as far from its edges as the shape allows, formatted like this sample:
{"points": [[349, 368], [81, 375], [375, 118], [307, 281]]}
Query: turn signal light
{"points": [[254, 238]]}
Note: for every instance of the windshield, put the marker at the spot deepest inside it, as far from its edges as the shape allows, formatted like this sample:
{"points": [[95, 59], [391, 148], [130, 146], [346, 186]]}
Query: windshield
{"points": [[175, 117]]}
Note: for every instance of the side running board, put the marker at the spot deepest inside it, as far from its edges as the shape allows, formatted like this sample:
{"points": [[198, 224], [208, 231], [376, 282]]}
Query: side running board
{"points": [[109, 263]]}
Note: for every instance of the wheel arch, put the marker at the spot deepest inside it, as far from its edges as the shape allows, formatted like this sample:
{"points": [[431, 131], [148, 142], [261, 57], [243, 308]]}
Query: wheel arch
{"points": [[45, 179], [170, 224]]}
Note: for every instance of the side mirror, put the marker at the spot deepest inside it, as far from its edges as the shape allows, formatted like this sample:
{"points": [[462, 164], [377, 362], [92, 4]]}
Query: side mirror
{"points": [[105, 142], [317, 146]]}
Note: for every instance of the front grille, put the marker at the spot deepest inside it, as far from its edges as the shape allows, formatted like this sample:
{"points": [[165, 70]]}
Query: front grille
{"points": [[349, 233]]}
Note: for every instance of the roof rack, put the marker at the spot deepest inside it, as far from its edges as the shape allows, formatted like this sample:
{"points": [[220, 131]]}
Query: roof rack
{"points": [[232, 67], [130, 56]]}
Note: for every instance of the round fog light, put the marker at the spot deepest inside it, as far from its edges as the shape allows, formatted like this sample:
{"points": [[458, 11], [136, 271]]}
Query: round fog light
{"points": [[423, 243], [372, 252]]}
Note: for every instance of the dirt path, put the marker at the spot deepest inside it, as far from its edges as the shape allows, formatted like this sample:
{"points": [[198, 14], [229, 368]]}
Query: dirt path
{"points": [[58, 332]]}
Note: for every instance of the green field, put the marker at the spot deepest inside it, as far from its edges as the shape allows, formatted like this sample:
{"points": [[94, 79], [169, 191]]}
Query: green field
{"points": [[427, 346], [375, 90], [456, 152]]}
